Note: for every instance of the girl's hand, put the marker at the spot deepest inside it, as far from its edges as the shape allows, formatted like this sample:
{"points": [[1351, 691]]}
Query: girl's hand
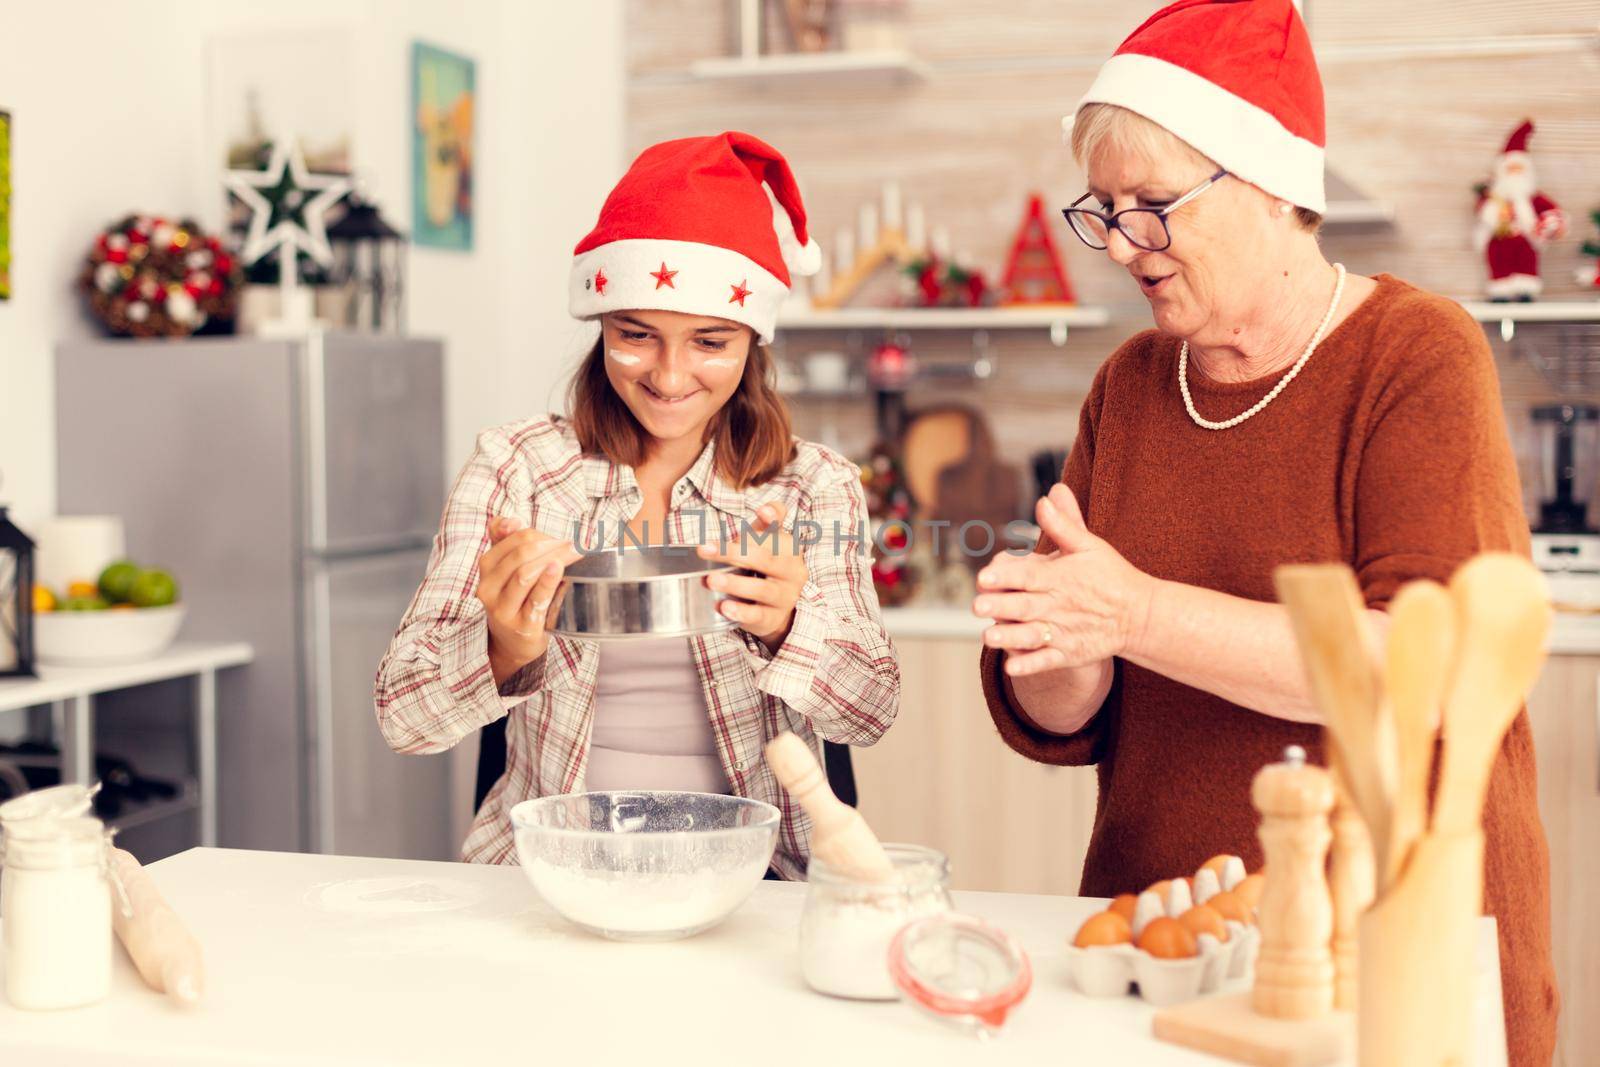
{"points": [[517, 582], [762, 603], [1078, 606]]}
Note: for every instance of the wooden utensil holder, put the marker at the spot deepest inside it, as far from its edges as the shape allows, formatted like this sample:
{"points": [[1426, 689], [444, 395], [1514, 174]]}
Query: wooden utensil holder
{"points": [[1416, 958]]}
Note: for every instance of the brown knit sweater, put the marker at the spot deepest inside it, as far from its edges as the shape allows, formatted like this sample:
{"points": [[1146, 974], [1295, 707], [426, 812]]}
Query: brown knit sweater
{"points": [[1389, 453]]}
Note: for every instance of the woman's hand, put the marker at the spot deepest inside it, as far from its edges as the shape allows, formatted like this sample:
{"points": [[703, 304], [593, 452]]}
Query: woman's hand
{"points": [[1080, 605], [763, 603], [517, 582]]}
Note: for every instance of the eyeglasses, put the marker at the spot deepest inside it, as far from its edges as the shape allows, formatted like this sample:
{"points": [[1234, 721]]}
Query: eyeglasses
{"points": [[1144, 227]]}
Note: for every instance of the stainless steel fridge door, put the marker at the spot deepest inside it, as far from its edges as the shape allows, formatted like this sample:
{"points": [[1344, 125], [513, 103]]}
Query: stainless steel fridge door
{"points": [[367, 800], [373, 412]]}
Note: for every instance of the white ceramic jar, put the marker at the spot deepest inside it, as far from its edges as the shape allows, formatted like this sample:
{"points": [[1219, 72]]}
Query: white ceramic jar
{"points": [[56, 924], [847, 925]]}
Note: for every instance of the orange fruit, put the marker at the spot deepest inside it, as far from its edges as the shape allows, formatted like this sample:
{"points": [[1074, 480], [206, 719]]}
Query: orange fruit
{"points": [[83, 589], [1103, 928], [1168, 939], [1204, 919], [43, 599]]}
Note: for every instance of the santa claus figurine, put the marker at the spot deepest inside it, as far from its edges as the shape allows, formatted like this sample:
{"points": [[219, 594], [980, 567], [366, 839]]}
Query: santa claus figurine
{"points": [[1514, 222]]}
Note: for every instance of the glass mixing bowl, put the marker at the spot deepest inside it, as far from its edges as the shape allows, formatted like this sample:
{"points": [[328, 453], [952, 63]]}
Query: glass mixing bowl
{"points": [[645, 866]]}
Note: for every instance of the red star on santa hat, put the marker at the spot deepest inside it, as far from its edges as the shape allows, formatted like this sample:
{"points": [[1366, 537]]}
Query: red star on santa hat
{"points": [[600, 280], [664, 276], [739, 293]]}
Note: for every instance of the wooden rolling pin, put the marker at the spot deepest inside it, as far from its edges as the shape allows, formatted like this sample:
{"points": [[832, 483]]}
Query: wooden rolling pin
{"points": [[162, 948], [840, 837]]}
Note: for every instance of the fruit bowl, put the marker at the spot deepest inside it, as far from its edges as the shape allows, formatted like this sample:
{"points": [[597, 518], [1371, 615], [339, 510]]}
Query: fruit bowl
{"points": [[646, 866], [95, 638]]}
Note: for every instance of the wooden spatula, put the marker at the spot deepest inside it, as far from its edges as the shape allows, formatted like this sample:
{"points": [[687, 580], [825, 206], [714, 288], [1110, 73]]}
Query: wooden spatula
{"points": [[1335, 639], [1503, 617], [1421, 659], [840, 837]]}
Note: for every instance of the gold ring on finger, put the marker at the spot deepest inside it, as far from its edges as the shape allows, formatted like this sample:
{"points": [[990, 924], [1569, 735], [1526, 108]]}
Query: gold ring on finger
{"points": [[1047, 635]]}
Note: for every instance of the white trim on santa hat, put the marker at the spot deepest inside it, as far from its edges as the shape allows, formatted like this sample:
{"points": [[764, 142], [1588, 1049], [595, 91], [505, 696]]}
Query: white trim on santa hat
{"points": [[1247, 140], [704, 280]]}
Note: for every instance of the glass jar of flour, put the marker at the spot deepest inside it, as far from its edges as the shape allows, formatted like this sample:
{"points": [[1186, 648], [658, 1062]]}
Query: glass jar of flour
{"points": [[57, 919], [53, 802], [847, 925]]}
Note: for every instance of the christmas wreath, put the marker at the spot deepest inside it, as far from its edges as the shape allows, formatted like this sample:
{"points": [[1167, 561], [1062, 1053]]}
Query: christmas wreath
{"points": [[153, 277]]}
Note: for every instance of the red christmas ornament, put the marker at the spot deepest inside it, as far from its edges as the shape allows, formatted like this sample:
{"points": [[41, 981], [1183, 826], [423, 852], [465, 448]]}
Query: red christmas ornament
{"points": [[1035, 273], [128, 278]]}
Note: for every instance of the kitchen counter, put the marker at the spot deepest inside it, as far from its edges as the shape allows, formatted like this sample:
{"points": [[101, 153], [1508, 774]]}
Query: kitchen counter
{"points": [[1572, 634], [464, 964]]}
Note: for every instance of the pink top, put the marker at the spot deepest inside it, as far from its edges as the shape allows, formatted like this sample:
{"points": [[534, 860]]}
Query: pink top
{"points": [[651, 728]]}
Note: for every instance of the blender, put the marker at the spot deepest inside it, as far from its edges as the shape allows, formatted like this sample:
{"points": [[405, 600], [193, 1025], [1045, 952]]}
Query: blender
{"points": [[1565, 546]]}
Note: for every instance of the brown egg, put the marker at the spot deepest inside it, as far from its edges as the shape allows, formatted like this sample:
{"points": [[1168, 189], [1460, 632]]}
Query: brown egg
{"points": [[1204, 919], [1104, 928], [1168, 939], [1123, 905], [1160, 888], [1229, 906], [1215, 864], [1249, 890]]}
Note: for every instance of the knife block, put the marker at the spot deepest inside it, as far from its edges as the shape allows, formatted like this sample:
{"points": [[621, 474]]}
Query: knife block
{"points": [[1416, 958]]}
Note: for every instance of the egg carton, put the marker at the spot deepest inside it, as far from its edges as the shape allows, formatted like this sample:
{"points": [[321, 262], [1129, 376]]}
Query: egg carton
{"points": [[1111, 970]]}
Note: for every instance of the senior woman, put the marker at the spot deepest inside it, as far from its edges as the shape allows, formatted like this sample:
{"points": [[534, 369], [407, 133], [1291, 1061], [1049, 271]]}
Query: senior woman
{"points": [[1283, 410]]}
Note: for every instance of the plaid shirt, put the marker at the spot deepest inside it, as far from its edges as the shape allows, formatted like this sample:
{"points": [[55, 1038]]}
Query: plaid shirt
{"points": [[835, 677]]}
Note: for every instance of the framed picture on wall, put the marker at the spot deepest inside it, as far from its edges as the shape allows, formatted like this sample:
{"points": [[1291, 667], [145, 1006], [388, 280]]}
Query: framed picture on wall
{"points": [[5, 205], [443, 98]]}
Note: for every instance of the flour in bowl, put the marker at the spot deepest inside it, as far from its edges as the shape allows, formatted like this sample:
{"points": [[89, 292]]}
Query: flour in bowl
{"points": [[629, 903]]}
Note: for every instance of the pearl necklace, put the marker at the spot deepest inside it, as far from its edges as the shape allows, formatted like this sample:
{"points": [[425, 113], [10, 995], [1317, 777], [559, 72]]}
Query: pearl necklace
{"points": [[1283, 383]]}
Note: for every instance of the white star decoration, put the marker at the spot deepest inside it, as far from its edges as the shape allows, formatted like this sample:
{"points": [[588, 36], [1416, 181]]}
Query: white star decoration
{"points": [[311, 237]]}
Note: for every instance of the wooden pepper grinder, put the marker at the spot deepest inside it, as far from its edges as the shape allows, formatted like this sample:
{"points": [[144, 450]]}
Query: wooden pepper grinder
{"points": [[1294, 972], [1352, 881]]}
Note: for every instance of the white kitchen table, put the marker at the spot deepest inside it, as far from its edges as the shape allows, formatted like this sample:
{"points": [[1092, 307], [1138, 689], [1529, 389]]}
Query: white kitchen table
{"points": [[343, 960], [463, 964]]}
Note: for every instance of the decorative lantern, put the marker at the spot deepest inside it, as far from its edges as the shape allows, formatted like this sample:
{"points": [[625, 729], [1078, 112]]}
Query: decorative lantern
{"points": [[369, 265], [16, 600]]}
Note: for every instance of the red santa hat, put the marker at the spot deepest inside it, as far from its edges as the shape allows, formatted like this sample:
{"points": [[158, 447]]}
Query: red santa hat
{"points": [[1518, 141], [1237, 80], [691, 228]]}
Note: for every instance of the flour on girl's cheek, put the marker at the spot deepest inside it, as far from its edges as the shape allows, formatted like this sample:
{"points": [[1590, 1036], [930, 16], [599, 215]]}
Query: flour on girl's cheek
{"points": [[627, 359]]}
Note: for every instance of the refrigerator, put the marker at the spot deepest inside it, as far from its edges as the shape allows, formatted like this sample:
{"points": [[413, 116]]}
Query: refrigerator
{"points": [[293, 487]]}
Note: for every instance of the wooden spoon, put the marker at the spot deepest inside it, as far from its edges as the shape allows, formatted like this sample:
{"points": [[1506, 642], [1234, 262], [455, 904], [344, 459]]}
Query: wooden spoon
{"points": [[1503, 616], [1336, 642], [840, 837], [1421, 654]]}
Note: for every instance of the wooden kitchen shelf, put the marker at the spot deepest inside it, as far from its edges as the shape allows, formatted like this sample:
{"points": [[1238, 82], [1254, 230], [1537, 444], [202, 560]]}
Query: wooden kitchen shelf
{"points": [[1534, 311], [831, 68], [1055, 318]]}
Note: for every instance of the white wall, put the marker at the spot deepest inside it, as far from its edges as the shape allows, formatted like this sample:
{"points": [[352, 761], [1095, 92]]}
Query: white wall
{"points": [[109, 113]]}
